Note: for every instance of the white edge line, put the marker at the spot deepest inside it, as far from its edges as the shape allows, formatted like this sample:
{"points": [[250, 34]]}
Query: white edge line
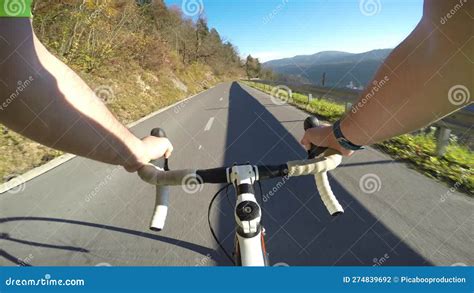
{"points": [[33, 173]]}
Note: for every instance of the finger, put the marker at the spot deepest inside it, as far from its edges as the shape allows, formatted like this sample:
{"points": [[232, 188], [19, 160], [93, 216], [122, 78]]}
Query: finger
{"points": [[168, 152], [306, 143]]}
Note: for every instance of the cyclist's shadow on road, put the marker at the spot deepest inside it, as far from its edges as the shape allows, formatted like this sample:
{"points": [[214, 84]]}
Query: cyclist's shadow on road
{"points": [[299, 228]]}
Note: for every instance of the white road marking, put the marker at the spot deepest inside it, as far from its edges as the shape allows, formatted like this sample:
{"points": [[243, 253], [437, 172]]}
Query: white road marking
{"points": [[209, 124]]}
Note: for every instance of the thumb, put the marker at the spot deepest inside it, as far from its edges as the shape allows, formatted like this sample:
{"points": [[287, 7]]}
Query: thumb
{"points": [[306, 143], [168, 151]]}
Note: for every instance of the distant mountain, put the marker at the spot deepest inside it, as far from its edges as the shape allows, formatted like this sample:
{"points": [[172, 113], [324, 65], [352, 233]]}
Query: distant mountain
{"points": [[342, 68]]}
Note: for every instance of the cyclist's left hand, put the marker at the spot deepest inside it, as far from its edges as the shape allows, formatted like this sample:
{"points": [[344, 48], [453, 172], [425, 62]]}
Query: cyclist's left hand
{"points": [[151, 148]]}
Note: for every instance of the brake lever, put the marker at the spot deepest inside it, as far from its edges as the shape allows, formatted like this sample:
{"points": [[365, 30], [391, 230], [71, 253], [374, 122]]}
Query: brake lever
{"points": [[159, 132], [314, 150]]}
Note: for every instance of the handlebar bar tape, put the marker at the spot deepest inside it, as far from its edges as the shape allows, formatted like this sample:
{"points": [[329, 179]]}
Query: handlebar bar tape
{"points": [[319, 167], [154, 175], [313, 166], [161, 208], [327, 196]]}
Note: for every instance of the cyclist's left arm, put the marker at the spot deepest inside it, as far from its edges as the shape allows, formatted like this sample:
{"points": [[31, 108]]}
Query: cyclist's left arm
{"points": [[44, 100]]}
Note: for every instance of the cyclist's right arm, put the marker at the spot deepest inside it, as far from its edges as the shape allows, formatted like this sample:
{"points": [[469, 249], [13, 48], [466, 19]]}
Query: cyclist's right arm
{"points": [[44, 100], [412, 88]]}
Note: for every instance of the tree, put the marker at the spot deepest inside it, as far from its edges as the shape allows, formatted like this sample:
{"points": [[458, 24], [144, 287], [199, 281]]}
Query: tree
{"points": [[253, 67]]}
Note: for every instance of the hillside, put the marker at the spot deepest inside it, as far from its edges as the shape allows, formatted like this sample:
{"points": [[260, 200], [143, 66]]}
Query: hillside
{"points": [[138, 58], [341, 68]]}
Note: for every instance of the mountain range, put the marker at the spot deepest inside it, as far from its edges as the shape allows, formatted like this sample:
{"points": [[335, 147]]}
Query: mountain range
{"points": [[342, 69]]}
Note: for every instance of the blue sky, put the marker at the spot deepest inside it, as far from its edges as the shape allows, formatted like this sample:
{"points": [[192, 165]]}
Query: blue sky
{"points": [[272, 29]]}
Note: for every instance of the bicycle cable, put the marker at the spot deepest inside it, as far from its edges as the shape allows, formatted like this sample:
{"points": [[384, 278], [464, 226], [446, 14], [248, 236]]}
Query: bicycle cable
{"points": [[210, 225], [227, 195]]}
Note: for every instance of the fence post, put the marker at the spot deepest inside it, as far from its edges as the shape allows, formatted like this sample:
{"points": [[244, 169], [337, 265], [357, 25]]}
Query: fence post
{"points": [[442, 140], [348, 107], [310, 97]]}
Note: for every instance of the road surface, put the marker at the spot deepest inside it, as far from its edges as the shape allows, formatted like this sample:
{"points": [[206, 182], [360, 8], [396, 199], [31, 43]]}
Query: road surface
{"points": [[88, 213]]}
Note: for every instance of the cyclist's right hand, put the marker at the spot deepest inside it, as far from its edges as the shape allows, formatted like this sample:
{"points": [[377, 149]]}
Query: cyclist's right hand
{"points": [[151, 148], [323, 136]]}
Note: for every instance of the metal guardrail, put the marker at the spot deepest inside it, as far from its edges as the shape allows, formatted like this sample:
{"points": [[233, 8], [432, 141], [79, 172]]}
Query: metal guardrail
{"points": [[461, 121]]}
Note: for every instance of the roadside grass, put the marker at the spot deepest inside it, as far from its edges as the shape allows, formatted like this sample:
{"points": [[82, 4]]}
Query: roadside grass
{"points": [[418, 150]]}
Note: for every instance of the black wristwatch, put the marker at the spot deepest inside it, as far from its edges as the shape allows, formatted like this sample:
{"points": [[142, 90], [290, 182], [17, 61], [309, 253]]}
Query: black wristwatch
{"points": [[342, 140]]}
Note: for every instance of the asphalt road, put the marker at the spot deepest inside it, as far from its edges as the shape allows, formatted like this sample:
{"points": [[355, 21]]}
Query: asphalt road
{"points": [[88, 213]]}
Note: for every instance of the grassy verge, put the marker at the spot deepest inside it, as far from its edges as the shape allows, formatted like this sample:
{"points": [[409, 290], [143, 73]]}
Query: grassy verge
{"points": [[455, 168]]}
